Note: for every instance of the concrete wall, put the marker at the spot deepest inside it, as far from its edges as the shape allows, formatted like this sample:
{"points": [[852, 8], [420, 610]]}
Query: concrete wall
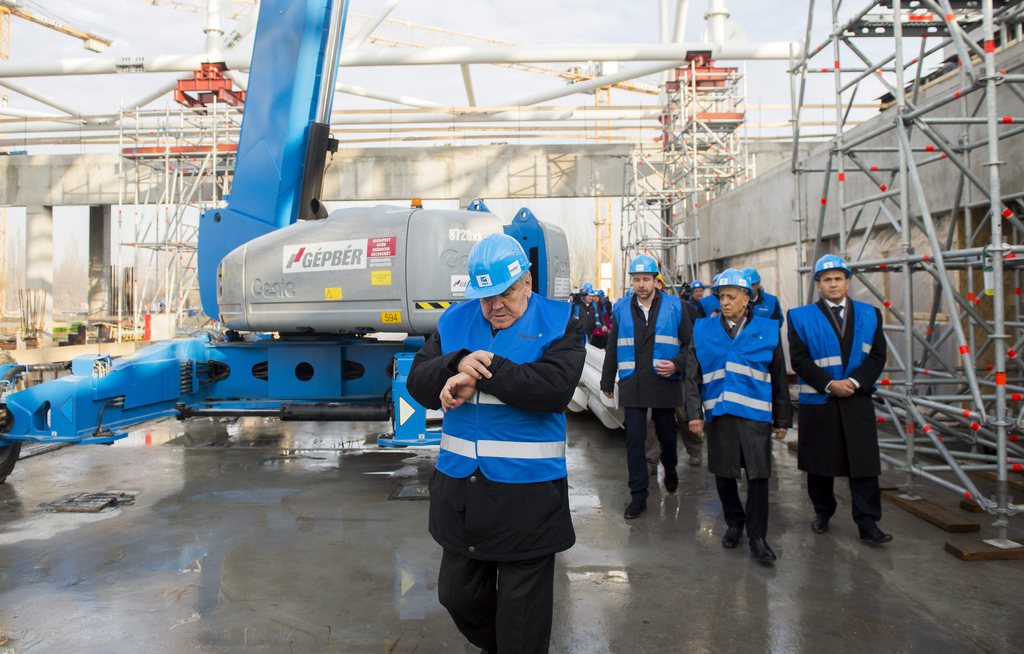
{"points": [[375, 174]]}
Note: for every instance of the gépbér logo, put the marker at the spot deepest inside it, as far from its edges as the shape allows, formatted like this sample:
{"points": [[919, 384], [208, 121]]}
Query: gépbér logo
{"points": [[324, 257]]}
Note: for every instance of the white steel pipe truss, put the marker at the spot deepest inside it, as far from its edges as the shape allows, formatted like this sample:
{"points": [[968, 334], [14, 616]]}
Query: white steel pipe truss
{"points": [[944, 259]]}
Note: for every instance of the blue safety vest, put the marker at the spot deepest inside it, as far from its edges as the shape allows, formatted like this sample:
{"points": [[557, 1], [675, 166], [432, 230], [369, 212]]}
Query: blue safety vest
{"points": [[507, 443], [766, 307], [710, 303], [666, 335], [816, 331], [735, 372]]}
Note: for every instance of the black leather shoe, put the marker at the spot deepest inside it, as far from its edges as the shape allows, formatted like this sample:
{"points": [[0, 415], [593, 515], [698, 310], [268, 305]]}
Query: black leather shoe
{"points": [[635, 508], [732, 537], [671, 480], [761, 552], [820, 524], [874, 535]]}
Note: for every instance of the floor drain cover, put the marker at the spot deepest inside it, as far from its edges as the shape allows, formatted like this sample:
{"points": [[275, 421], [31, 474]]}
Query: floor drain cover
{"points": [[410, 492], [93, 502]]}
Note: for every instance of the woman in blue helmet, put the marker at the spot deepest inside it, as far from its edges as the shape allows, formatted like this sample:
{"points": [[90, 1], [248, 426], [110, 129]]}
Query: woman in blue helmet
{"points": [[503, 364]]}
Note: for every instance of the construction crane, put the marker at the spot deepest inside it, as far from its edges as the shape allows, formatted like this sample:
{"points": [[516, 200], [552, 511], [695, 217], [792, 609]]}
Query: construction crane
{"points": [[34, 13]]}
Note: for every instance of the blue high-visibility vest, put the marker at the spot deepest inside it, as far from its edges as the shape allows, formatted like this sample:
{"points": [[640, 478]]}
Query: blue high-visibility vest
{"points": [[508, 444], [766, 307], [666, 335], [710, 304], [816, 331], [736, 372]]}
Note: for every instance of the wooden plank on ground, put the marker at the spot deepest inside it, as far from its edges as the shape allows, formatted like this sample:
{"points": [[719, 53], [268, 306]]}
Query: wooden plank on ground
{"points": [[979, 551], [927, 510]]}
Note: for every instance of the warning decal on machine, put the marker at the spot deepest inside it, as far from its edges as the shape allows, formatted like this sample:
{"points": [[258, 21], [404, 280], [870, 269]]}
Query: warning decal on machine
{"points": [[380, 277], [324, 257]]}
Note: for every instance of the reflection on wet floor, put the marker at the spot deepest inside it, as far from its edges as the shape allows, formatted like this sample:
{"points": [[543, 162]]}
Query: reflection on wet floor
{"points": [[257, 535]]}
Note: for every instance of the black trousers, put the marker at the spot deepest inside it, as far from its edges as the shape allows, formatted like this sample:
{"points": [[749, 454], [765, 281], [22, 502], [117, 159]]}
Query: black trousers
{"points": [[499, 606], [864, 492], [755, 518], [636, 437]]}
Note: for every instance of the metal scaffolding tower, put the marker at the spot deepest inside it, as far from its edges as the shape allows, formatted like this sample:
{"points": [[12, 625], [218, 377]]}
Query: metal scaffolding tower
{"points": [[190, 159], [941, 258], [700, 156]]}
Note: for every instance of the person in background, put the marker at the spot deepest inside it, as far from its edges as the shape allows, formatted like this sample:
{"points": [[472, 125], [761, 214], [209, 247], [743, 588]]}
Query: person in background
{"points": [[651, 355], [585, 310], [745, 396], [837, 349], [762, 304], [709, 303], [503, 365], [696, 295], [599, 337]]}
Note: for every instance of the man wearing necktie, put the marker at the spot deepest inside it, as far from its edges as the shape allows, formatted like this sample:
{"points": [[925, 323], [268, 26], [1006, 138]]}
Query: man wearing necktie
{"points": [[745, 395], [837, 349]]}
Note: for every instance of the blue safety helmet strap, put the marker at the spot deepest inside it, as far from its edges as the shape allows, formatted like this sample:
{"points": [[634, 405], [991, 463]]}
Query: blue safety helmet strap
{"points": [[644, 263], [752, 275], [830, 262], [495, 263], [732, 277]]}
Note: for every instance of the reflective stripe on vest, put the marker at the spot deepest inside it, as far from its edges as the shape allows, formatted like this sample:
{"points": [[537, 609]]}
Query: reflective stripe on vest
{"points": [[737, 381], [502, 449], [508, 444], [817, 332], [666, 334]]}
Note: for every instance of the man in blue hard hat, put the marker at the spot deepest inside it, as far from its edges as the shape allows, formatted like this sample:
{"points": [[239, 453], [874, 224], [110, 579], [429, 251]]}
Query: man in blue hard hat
{"points": [[762, 304], [837, 349], [503, 364], [696, 296], [745, 392], [650, 351]]}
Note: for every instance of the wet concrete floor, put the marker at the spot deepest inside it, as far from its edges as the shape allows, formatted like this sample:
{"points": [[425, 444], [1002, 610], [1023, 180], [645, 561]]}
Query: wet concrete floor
{"points": [[260, 536]]}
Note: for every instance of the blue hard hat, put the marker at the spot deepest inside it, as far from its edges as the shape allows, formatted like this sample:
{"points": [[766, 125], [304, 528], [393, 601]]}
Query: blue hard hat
{"points": [[644, 263], [752, 275], [732, 277], [830, 262], [588, 289], [599, 293], [495, 263], [697, 284]]}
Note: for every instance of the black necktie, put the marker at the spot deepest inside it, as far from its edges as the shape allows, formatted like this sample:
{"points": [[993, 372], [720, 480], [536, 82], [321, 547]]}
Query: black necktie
{"points": [[837, 311]]}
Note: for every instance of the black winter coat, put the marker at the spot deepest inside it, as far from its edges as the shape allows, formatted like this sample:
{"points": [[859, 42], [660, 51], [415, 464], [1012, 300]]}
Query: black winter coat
{"points": [[488, 520], [840, 437], [646, 388]]}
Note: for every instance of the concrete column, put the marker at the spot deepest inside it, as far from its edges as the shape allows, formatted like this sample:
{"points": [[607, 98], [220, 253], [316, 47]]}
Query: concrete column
{"points": [[99, 261], [39, 259]]}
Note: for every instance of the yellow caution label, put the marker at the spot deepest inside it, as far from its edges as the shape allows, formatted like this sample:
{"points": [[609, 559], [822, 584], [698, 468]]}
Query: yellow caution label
{"points": [[332, 293], [391, 317], [433, 305], [380, 278]]}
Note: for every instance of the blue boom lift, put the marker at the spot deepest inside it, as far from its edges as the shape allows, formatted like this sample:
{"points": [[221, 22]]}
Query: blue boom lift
{"points": [[304, 296]]}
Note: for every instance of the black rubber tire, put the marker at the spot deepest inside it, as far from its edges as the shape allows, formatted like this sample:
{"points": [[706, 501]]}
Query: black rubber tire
{"points": [[8, 457]]}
